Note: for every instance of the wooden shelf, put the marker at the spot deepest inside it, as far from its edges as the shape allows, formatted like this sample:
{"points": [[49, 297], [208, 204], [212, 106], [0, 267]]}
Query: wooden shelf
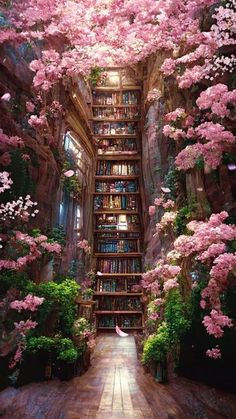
{"points": [[118, 293], [117, 231], [115, 120], [117, 106], [115, 234], [116, 274], [118, 255], [116, 193], [115, 89], [118, 312], [118, 177], [118, 157], [108, 155], [116, 136], [123, 328], [115, 211]]}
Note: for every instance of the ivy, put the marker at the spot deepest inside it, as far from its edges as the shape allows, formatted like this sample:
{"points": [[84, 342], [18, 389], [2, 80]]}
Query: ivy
{"points": [[176, 322], [184, 215]]}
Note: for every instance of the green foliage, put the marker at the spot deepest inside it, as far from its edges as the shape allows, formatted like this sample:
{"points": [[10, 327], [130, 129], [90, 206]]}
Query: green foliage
{"points": [[168, 334], [184, 215], [58, 234], [80, 326], [22, 183], [66, 351], [229, 158], [95, 74], [60, 296], [171, 180], [199, 163], [68, 355], [157, 346], [176, 315], [10, 279], [43, 343], [63, 347]]}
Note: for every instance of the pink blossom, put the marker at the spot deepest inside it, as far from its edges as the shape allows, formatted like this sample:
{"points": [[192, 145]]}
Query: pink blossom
{"points": [[215, 322], [69, 173], [83, 244], [25, 157], [170, 283], [51, 247], [152, 210], [172, 116], [23, 326], [30, 107], [214, 353], [6, 97], [30, 302]]}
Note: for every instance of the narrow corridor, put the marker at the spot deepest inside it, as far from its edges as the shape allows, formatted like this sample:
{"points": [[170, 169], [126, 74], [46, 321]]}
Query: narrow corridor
{"points": [[116, 387]]}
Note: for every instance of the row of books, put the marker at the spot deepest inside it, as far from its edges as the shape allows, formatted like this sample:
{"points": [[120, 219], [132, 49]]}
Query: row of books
{"points": [[123, 321], [116, 285], [106, 167], [116, 265], [117, 246], [115, 128], [119, 235], [117, 222], [111, 145], [117, 186], [115, 98], [118, 303], [116, 113], [120, 202]]}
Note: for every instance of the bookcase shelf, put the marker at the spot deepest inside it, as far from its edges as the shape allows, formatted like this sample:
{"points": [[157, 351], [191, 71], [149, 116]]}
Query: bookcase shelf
{"points": [[117, 106], [115, 89], [118, 157], [118, 312], [119, 274], [116, 177], [117, 249], [118, 255], [118, 293], [116, 136], [116, 193], [124, 328]]}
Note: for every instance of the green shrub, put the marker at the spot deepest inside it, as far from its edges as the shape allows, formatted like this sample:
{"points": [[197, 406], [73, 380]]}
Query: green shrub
{"points": [[43, 343], [184, 215], [169, 333], [157, 346]]}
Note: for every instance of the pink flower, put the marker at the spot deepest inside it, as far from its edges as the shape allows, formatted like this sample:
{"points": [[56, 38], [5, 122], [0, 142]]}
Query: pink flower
{"points": [[69, 173], [214, 353], [30, 302], [165, 190], [6, 97], [152, 210], [25, 157], [170, 284], [30, 107], [154, 316]]}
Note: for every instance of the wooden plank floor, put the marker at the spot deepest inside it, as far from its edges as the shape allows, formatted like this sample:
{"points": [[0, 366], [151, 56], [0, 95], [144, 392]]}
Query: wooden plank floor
{"points": [[116, 387]]}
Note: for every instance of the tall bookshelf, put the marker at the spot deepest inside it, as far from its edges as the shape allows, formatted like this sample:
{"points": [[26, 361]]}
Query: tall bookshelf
{"points": [[118, 235]]}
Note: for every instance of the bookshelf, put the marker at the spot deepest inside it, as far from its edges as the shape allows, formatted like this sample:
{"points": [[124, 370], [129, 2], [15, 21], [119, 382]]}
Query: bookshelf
{"points": [[118, 235]]}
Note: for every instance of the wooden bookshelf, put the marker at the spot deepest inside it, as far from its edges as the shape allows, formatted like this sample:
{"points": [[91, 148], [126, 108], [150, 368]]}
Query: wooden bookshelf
{"points": [[109, 274], [116, 89], [118, 293], [117, 106], [124, 149], [119, 157], [115, 136]]}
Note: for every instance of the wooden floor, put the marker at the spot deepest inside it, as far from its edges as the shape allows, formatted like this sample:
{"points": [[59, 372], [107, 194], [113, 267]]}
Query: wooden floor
{"points": [[116, 387]]}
